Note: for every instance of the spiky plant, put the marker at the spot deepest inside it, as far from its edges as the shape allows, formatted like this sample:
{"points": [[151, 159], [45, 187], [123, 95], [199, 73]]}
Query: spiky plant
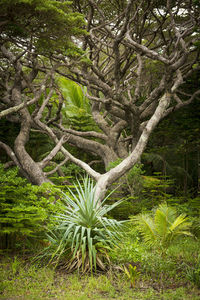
{"points": [[84, 234], [163, 228]]}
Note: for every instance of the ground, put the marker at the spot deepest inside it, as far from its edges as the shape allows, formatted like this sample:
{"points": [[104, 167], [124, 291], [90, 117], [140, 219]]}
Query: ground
{"points": [[24, 280]]}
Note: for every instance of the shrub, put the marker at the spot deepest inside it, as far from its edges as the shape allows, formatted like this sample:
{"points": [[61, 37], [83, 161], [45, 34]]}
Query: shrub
{"points": [[84, 234], [163, 228], [25, 209]]}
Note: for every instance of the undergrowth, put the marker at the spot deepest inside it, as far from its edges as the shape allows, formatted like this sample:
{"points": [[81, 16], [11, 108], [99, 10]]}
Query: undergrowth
{"points": [[22, 280]]}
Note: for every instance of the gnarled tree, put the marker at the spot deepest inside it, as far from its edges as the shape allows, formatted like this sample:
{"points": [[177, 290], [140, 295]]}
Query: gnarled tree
{"points": [[30, 32], [141, 53]]}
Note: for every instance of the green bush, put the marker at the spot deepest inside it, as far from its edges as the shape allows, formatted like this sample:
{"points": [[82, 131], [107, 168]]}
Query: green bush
{"points": [[141, 192], [191, 207], [160, 231], [130, 250], [84, 234], [25, 209]]}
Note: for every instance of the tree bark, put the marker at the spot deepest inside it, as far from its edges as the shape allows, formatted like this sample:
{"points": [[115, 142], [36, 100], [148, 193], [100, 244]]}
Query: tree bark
{"points": [[27, 164], [111, 176]]}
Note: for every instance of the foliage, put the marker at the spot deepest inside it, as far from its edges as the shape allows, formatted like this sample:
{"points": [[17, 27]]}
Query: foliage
{"points": [[161, 230], [180, 259], [173, 148], [130, 249], [50, 23], [177, 265], [129, 188], [84, 234], [33, 282], [132, 181], [123, 211], [161, 268], [191, 207], [25, 208], [141, 192], [193, 273], [132, 274], [155, 189], [72, 170], [77, 111]]}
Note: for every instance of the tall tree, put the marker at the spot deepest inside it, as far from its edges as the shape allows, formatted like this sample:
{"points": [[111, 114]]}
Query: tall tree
{"points": [[139, 54]]}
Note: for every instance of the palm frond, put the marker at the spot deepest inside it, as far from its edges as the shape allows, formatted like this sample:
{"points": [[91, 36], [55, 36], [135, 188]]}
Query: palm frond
{"points": [[146, 227], [180, 224], [161, 230]]}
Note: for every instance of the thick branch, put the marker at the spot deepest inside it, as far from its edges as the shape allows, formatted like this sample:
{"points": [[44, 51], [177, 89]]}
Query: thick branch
{"points": [[82, 133], [111, 176], [10, 153]]}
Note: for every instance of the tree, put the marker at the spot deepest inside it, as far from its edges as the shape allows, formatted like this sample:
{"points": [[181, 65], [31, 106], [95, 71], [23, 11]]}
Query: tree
{"points": [[138, 57], [30, 32]]}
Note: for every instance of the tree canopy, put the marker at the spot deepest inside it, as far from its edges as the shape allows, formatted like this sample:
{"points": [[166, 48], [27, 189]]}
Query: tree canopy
{"points": [[43, 26]]}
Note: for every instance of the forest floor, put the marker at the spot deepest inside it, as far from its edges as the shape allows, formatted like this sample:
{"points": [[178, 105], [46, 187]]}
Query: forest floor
{"points": [[27, 281]]}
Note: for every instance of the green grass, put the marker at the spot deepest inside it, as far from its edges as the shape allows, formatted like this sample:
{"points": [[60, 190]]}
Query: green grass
{"points": [[25, 281]]}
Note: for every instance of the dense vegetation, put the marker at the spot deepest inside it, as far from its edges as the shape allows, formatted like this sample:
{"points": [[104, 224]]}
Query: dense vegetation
{"points": [[99, 149]]}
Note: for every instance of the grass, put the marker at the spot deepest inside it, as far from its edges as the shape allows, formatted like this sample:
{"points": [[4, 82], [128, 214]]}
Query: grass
{"points": [[25, 281], [174, 276]]}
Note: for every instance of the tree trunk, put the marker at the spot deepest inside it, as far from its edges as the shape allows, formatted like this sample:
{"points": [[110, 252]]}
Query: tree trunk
{"points": [[27, 164], [105, 180]]}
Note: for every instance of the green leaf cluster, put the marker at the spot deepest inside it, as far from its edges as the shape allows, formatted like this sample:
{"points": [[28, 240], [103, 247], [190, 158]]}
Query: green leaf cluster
{"points": [[77, 110], [133, 180], [132, 274], [84, 234], [49, 23], [160, 230], [26, 209]]}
